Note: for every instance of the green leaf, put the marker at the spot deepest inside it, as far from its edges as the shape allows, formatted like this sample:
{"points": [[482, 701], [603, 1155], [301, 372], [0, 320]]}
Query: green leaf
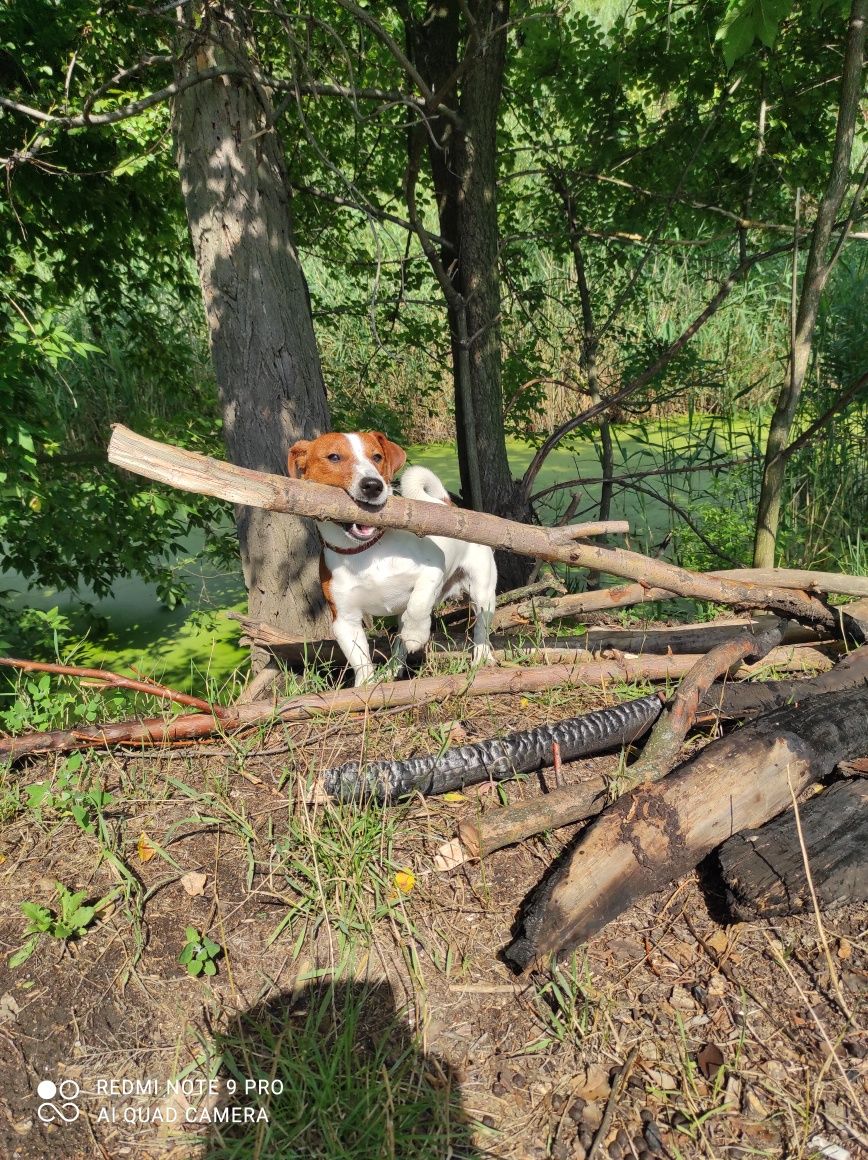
{"points": [[23, 953], [747, 21]]}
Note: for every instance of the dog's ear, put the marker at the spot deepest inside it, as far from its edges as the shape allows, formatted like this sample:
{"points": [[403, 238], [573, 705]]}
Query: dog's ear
{"points": [[394, 457], [297, 460]]}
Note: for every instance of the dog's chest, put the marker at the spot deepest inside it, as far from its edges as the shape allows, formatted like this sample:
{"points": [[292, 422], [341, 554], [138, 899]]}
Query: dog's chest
{"points": [[380, 584]]}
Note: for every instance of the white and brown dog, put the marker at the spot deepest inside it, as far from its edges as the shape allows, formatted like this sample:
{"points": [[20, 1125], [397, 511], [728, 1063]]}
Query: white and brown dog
{"points": [[367, 571]]}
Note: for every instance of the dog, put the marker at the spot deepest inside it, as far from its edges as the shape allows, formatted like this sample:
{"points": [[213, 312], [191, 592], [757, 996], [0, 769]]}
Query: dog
{"points": [[366, 571]]}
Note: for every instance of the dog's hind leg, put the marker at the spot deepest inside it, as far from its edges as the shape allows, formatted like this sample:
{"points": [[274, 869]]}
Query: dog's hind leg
{"points": [[482, 587]]}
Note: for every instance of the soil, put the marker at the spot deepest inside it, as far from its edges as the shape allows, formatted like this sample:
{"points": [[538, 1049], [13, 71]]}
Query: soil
{"points": [[740, 1040]]}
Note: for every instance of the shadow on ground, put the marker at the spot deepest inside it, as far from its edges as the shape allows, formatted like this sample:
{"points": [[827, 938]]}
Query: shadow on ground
{"points": [[333, 1073]]}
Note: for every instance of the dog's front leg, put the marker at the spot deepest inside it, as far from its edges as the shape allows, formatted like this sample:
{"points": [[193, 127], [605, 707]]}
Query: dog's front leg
{"points": [[350, 635], [415, 628]]}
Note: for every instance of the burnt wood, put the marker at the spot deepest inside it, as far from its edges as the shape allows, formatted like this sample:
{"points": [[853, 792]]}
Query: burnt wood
{"points": [[652, 836], [762, 871]]}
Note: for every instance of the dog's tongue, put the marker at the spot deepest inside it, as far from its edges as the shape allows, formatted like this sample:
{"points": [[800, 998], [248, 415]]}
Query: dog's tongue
{"points": [[363, 531]]}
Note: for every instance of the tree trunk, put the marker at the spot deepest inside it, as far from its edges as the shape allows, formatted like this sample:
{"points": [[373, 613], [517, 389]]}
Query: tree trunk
{"points": [[257, 307], [463, 160], [817, 269]]}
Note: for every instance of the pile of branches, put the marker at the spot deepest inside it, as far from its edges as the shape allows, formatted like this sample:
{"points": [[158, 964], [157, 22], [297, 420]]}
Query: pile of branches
{"points": [[669, 816]]}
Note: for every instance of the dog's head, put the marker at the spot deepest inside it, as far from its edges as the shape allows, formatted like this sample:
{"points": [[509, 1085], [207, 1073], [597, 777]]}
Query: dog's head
{"points": [[363, 465]]}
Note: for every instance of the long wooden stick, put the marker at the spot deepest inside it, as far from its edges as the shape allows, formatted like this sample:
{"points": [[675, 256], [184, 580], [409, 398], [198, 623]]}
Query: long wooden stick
{"points": [[424, 690], [192, 472], [544, 610]]}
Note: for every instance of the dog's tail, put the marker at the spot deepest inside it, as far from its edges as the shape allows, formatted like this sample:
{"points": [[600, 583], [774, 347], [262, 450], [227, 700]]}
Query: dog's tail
{"points": [[420, 483]]}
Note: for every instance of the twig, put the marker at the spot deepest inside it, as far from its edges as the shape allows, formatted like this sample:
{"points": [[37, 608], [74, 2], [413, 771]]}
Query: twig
{"points": [[612, 1102], [833, 974], [115, 680]]}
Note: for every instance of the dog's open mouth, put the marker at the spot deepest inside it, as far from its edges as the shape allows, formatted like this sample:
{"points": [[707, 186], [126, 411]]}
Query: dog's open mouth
{"points": [[360, 532]]}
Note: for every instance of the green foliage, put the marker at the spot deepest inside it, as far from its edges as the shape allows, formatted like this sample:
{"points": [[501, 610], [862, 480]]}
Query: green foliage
{"points": [[40, 702], [631, 108], [200, 953], [70, 922], [68, 797]]}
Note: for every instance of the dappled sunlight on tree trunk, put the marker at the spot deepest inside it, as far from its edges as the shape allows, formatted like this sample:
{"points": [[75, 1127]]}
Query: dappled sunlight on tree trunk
{"points": [[256, 304]]}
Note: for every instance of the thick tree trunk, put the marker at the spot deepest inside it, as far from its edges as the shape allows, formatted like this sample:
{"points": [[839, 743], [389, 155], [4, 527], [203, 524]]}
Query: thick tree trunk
{"points": [[463, 160], [257, 308]]}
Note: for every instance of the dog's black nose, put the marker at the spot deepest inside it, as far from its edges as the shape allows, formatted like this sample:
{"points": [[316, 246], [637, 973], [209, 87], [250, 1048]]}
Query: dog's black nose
{"points": [[371, 487]]}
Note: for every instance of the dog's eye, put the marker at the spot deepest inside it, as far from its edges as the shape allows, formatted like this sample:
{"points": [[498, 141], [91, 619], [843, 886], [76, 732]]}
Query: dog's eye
{"points": [[376, 459], [334, 457]]}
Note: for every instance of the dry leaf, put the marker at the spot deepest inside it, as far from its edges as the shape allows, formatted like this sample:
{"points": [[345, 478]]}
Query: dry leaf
{"points": [[9, 1007], [718, 941], [450, 855], [710, 1060], [845, 949], [405, 880], [144, 848], [592, 1083], [194, 883]]}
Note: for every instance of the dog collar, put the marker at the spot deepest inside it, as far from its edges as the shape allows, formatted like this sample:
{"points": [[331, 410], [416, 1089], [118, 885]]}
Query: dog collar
{"points": [[352, 551]]}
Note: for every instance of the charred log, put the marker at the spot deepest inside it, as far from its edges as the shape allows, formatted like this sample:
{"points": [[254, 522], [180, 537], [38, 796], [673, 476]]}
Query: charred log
{"points": [[762, 872], [523, 752], [654, 835]]}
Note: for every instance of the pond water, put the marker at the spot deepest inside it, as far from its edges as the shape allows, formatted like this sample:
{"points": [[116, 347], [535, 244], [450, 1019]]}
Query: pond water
{"points": [[184, 645]]}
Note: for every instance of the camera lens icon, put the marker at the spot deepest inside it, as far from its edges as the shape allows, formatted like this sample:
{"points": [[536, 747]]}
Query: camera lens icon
{"points": [[67, 1111]]}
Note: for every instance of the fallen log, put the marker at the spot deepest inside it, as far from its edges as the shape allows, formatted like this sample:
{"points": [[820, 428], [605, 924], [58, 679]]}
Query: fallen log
{"points": [[658, 639], [652, 836], [188, 727], [190, 471], [567, 804], [761, 873], [546, 610], [663, 747], [493, 760], [811, 653]]}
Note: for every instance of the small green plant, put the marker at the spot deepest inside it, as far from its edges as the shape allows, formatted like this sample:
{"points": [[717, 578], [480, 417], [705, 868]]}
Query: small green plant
{"points": [[72, 921], [67, 798], [200, 953]]}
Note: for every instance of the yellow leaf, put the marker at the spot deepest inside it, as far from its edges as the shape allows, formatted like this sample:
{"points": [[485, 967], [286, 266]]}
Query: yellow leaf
{"points": [[454, 796], [144, 848], [523, 702], [35, 504], [405, 880]]}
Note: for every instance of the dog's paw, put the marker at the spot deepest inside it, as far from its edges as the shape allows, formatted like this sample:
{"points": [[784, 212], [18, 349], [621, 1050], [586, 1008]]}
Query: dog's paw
{"points": [[482, 655]]}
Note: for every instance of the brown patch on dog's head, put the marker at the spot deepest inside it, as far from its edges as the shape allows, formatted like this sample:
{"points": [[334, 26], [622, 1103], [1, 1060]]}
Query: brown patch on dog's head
{"points": [[387, 456]]}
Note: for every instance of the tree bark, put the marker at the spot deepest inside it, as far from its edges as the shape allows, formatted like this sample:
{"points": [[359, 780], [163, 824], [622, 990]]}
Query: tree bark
{"points": [[817, 268], [462, 156], [256, 304]]}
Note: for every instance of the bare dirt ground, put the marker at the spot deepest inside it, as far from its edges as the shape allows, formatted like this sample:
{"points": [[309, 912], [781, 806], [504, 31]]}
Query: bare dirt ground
{"points": [[725, 1041]]}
